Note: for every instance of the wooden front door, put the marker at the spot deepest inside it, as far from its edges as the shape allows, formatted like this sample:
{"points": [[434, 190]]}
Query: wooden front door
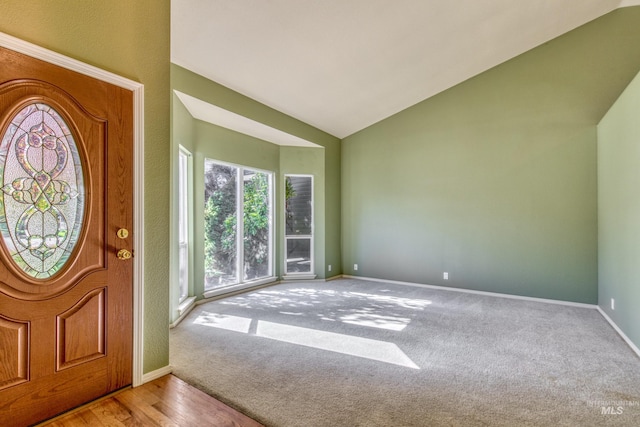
{"points": [[66, 311]]}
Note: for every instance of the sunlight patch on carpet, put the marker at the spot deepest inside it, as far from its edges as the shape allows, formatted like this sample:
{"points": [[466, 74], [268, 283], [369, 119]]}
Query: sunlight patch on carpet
{"points": [[346, 344], [367, 317], [223, 321], [366, 348], [411, 303]]}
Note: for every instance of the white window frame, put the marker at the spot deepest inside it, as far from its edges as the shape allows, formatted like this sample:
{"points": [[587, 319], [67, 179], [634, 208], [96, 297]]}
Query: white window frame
{"points": [[184, 303], [184, 187], [242, 284], [311, 273]]}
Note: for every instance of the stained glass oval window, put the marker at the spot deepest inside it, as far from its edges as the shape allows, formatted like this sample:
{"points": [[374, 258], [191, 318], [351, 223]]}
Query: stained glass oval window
{"points": [[42, 198]]}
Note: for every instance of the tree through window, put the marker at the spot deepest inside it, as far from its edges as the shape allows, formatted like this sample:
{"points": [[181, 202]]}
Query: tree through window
{"points": [[237, 224]]}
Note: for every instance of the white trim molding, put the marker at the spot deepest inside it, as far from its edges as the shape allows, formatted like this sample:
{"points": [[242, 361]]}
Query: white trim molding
{"points": [[154, 375], [471, 291], [60, 60], [619, 331], [298, 276], [308, 275]]}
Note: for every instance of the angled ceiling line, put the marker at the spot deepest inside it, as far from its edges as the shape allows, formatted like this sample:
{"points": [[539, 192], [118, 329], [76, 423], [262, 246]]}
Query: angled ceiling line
{"points": [[342, 66], [218, 116]]}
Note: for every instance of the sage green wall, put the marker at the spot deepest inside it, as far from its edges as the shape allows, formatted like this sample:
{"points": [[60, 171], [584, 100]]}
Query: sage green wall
{"points": [[332, 209], [182, 126], [129, 38], [494, 180], [195, 85], [307, 161], [619, 211]]}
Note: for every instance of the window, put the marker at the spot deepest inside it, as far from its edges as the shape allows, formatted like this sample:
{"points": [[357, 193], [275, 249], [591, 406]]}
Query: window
{"points": [[42, 211], [183, 224], [182, 292], [238, 241], [299, 224]]}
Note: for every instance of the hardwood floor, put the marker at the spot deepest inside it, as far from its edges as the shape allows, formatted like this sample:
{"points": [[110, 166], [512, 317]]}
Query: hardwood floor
{"points": [[167, 401]]}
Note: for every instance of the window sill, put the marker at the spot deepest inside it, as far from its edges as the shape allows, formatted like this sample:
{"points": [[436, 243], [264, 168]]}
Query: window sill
{"points": [[240, 287], [184, 309], [302, 276], [186, 305]]}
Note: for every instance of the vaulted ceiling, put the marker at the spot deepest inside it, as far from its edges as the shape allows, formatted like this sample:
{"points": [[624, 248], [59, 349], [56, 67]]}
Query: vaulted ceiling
{"points": [[342, 65]]}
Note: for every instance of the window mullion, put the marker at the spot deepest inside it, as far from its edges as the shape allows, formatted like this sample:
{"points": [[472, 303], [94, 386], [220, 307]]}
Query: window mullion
{"points": [[271, 226], [240, 226]]}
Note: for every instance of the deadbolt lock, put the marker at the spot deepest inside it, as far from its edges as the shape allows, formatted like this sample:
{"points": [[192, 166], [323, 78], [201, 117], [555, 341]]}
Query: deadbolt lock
{"points": [[124, 254], [123, 233]]}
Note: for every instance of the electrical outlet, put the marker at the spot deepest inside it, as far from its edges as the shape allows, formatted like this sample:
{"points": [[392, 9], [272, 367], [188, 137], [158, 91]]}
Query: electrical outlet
{"points": [[355, 267], [445, 275], [329, 268], [613, 304]]}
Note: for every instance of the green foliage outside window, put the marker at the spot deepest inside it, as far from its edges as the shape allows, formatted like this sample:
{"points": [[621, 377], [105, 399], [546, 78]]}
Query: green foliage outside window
{"points": [[256, 226], [220, 225]]}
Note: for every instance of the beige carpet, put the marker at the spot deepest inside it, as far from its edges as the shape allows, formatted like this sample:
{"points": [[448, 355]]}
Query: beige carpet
{"points": [[358, 353]]}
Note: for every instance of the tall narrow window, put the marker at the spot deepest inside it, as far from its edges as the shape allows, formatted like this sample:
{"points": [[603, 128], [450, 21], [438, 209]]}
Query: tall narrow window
{"points": [[238, 239], [299, 224], [183, 223]]}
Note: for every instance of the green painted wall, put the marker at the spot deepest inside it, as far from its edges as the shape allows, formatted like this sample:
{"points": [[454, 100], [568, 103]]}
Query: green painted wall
{"points": [[183, 126], [494, 180], [619, 211], [195, 85], [332, 210], [129, 38], [182, 134]]}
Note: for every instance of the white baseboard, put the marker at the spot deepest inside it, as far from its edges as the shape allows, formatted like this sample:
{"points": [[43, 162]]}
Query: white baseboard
{"points": [[294, 277], [518, 297], [619, 331], [471, 291], [154, 375]]}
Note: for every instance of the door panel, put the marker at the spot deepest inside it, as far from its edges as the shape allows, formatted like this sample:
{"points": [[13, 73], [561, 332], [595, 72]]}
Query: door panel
{"points": [[15, 352], [81, 331], [66, 327]]}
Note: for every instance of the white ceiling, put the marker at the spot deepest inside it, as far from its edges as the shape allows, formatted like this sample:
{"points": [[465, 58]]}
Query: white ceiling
{"points": [[342, 65]]}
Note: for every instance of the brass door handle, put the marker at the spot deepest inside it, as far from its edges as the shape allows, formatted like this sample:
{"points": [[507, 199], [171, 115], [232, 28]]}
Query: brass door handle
{"points": [[124, 254]]}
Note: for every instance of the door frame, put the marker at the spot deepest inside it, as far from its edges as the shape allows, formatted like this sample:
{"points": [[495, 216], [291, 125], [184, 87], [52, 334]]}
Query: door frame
{"points": [[63, 61]]}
